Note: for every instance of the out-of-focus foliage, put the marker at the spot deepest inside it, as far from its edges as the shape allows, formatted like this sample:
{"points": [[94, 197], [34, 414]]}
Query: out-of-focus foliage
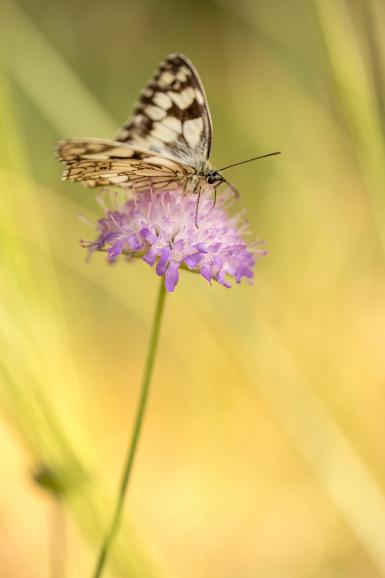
{"points": [[262, 453]]}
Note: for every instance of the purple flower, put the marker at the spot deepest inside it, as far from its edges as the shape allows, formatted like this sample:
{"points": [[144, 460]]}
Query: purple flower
{"points": [[159, 227]]}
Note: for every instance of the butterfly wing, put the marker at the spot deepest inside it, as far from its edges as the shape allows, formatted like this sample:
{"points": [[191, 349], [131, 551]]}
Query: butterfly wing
{"points": [[100, 162], [171, 117]]}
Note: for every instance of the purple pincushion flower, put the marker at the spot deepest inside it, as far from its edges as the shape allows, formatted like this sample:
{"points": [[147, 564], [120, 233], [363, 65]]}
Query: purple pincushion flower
{"points": [[159, 227]]}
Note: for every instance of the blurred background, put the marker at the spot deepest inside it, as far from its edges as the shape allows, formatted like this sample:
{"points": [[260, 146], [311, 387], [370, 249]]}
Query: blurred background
{"points": [[262, 453]]}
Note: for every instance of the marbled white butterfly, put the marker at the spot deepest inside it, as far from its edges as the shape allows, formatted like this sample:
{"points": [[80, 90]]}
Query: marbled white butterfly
{"points": [[164, 145]]}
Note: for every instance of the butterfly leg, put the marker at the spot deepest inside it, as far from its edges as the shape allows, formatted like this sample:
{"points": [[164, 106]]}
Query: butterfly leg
{"points": [[198, 193], [184, 186], [215, 195], [233, 190]]}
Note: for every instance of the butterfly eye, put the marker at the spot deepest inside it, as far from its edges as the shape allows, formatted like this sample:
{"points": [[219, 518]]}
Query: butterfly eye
{"points": [[212, 178]]}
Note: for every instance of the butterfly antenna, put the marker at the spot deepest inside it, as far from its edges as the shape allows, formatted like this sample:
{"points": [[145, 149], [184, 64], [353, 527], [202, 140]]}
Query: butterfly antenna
{"points": [[249, 160]]}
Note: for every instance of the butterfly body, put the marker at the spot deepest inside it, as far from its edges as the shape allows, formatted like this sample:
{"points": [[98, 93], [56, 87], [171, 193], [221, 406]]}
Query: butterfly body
{"points": [[164, 145]]}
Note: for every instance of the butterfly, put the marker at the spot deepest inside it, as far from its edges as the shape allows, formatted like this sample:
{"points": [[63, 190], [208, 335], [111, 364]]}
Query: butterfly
{"points": [[164, 145]]}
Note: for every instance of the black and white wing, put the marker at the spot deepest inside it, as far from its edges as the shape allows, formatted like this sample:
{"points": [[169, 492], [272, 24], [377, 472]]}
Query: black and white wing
{"points": [[101, 162], [165, 142], [171, 117]]}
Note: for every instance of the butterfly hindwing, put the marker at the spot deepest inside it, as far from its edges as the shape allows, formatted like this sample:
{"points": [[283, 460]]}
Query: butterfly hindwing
{"points": [[171, 117], [100, 162]]}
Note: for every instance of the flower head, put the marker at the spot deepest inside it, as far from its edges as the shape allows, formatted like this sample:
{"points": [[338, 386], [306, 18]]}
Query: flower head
{"points": [[160, 227]]}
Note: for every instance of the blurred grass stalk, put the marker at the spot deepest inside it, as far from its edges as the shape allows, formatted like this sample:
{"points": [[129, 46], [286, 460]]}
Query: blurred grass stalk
{"points": [[311, 428], [36, 358], [305, 418], [46, 78], [325, 447], [356, 89]]}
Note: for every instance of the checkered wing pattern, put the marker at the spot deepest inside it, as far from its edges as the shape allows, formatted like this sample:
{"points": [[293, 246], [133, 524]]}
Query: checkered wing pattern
{"points": [[171, 117]]}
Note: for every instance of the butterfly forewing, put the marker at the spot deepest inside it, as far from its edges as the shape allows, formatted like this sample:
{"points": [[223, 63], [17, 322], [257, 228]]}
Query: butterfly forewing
{"points": [[99, 162], [171, 117]]}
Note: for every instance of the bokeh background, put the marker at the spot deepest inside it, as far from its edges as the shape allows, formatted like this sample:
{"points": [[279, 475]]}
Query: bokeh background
{"points": [[263, 448]]}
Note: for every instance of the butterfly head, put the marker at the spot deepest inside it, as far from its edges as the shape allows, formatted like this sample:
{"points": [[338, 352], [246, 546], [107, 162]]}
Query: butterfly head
{"points": [[213, 177]]}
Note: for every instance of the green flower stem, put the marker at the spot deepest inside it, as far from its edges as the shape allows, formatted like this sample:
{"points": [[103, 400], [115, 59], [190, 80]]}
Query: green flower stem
{"points": [[58, 539], [148, 369]]}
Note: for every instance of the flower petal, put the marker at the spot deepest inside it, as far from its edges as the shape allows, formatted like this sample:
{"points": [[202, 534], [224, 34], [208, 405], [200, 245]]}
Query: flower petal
{"points": [[160, 227], [172, 276]]}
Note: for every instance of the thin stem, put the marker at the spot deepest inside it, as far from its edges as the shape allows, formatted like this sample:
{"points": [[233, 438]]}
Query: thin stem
{"points": [[148, 369], [58, 540]]}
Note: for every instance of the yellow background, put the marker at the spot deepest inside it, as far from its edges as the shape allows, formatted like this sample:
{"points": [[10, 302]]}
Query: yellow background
{"points": [[263, 447]]}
